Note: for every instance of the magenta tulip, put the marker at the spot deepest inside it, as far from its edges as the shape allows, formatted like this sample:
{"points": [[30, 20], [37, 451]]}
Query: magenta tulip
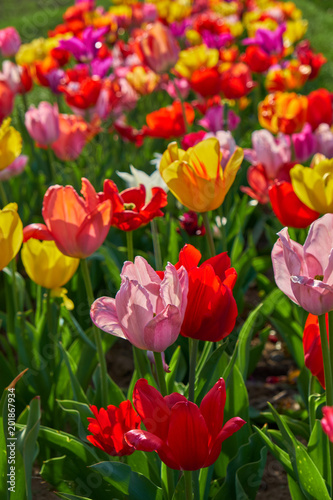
{"points": [[43, 123]]}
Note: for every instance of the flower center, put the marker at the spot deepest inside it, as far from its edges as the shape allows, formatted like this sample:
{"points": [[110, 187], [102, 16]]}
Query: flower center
{"points": [[129, 206], [319, 277]]}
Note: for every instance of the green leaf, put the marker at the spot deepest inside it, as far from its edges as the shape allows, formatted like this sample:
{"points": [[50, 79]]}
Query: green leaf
{"points": [[174, 364], [244, 338], [78, 392], [276, 451], [80, 412], [294, 489], [318, 450], [135, 485], [245, 471], [27, 442], [204, 378]]}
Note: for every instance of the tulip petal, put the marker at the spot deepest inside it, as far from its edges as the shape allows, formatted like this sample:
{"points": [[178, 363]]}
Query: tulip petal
{"points": [[143, 273], [212, 408], [146, 441], [162, 330], [94, 229], [104, 315], [189, 257], [37, 232], [230, 427]]}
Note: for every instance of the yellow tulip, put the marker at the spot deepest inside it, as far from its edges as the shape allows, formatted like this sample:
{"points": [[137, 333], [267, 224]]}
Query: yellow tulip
{"points": [[195, 58], [314, 186], [11, 234], [46, 265], [10, 144], [196, 177], [62, 294]]}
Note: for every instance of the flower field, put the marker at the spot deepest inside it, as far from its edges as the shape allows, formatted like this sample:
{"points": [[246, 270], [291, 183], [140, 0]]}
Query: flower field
{"points": [[166, 250]]}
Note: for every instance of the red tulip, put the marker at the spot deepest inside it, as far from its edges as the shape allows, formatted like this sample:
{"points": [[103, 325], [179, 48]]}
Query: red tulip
{"points": [[236, 82], [130, 209], [211, 310], [319, 108], [257, 59], [184, 436], [313, 355], [259, 183], [109, 427], [78, 225], [288, 208], [168, 122], [206, 81], [82, 95], [309, 58]]}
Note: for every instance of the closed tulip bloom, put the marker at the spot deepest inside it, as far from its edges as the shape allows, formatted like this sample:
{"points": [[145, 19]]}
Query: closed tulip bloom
{"points": [[168, 122], [10, 41], [7, 98], [10, 144], [327, 422], [43, 123], [74, 134], [313, 355], [108, 427], [46, 265], [269, 151], [283, 112], [185, 436], [319, 108], [314, 186], [148, 311], [196, 177], [11, 234], [78, 225], [158, 48], [288, 208], [305, 273]]}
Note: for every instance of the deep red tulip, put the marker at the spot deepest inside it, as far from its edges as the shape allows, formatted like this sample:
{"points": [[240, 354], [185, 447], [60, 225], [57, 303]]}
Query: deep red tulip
{"points": [[306, 56], [207, 81], [236, 82], [288, 208], [60, 55], [43, 68], [257, 59], [26, 79], [168, 122], [319, 108], [258, 182], [184, 436], [82, 95], [210, 286], [313, 355], [189, 223], [130, 208], [109, 426]]}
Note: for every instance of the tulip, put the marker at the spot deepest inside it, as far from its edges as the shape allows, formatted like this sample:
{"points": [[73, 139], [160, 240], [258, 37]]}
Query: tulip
{"points": [[327, 422], [169, 122], [189, 223], [10, 41], [259, 183], [314, 186], [11, 234], [195, 58], [210, 284], [269, 41], [313, 356], [108, 427], [269, 151], [319, 108], [147, 310], [46, 265], [324, 137], [288, 208], [305, 143], [283, 112], [130, 209], [196, 177], [6, 100], [138, 177], [304, 273], [257, 59], [206, 81], [236, 82], [78, 226], [83, 94], [157, 48], [43, 123], [309, 58], [10, 144], [185, 436], [74, 134]]}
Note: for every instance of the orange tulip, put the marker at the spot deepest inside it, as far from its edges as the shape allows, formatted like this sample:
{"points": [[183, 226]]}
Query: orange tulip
{"points": [[74, 134], [283, 112], [78, 225]]}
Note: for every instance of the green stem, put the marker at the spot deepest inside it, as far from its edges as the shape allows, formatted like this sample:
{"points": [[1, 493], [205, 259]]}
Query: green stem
{"points": [[188, 485], [97, 333], [160, 373], [311, 402], [13, 267], [51, 165], [328, 375], [3, 195], [209, 234], [130, 250], [156, 245], [330, 336], [182, 106], [196, 487], [193, 346]]}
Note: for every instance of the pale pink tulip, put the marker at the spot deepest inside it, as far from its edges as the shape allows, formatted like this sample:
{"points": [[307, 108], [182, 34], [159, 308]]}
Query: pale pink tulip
{"points": [[305, 143], [271, 152], [324, 135], [327, 422], [10, 41], [305, 273], [148, 311], [43, 123]]}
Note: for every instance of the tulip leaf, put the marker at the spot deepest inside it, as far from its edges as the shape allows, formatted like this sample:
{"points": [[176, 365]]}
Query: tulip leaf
{"points": [[294, 490], [115, 394], [245, 337], [208, 373], [80, 412], [245, 471], [130, 483], [78, 393], [173, 366], [72, 478], [318, 450], [27, 443]]}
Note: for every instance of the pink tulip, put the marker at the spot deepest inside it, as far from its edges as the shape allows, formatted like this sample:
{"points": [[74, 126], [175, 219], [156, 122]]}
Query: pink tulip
{"points": [[327, 421], [324, 135], [74, 134], [305, 273], [305, 143], [10, 41], [43, 123], [6, 100], [148, 311], [14, 169], [269, 151]]}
